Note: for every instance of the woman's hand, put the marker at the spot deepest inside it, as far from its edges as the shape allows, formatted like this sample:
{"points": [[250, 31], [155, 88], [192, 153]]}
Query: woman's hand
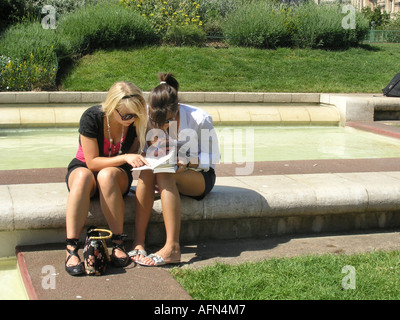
{"points": [[184, 165], [181, 166], [135, 160]]}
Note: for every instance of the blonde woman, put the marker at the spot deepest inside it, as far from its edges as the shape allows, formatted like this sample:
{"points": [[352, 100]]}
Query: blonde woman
{"points": [[111, 140]]}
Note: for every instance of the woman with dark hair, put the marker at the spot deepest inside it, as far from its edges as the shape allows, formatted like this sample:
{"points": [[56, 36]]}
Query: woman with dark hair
{"points": [[195, 176]]}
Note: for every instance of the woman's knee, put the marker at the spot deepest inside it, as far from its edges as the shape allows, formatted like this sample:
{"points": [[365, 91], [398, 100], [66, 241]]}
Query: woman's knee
{"points": [[111, 177], [147, 176], [165, 180], [107, 175], [81, 179]]}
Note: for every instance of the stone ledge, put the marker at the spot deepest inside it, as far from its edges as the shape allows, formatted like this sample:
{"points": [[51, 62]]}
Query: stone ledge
{"points": [[351, 107], [66, 116], [97, 97], [42, 206], [238, 207], [359, 107]]}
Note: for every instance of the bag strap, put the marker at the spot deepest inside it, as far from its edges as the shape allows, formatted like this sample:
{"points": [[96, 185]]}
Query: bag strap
{"points": [[100, 237]]}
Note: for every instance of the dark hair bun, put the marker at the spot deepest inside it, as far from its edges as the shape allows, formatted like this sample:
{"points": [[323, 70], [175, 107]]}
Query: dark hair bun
{"points": [[169, 79]]}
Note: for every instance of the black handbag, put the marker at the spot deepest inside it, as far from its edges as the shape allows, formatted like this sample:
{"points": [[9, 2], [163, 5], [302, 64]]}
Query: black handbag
{"points": [[95, 253], [393, 88]]}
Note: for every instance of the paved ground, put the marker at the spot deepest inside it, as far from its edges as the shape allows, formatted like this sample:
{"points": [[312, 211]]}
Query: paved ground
{"points": [[142, 283]]}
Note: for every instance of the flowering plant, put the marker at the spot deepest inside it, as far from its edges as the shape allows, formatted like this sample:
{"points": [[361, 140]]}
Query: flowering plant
{"points": [[164, 14], [18, 75]]}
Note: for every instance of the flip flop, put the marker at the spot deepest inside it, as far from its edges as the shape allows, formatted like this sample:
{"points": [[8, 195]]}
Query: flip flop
{"points": [[158, 261], [137, 252]]}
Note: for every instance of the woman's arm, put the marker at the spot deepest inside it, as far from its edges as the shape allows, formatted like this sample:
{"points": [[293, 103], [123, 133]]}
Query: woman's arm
{"points": [[95, 163]]}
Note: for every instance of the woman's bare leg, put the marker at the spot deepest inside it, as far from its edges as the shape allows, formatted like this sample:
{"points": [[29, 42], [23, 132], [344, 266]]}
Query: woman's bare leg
{"points": [[144, 203], [113, 182], [82, 186], [170, 185]]}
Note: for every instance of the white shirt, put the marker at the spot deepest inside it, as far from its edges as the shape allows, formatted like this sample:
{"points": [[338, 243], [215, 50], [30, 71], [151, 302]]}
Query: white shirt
{"points": [[197, 139], [196, 123]]}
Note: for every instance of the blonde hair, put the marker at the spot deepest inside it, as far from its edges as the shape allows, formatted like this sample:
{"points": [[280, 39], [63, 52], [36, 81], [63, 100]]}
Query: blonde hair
{"points": [[135, 104]]}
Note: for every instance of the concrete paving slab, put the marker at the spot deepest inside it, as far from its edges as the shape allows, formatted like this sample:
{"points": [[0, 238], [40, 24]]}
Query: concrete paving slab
{"points": [[142, 283], [130, 283]]}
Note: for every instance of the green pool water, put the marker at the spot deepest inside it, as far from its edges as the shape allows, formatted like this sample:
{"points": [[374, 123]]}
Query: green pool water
{"points": [[50, 148], [11, 285]]}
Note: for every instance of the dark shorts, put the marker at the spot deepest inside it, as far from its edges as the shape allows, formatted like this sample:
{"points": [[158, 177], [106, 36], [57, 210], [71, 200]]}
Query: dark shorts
{"points": [[75, 163], [209, 179]]}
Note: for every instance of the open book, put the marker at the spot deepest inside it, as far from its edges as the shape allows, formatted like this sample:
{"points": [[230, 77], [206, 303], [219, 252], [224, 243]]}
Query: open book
{"points": [[161, 164]]}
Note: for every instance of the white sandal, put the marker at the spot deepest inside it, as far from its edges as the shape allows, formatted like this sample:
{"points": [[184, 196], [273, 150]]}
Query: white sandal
{"points": [[157, 260], [137, 252]]}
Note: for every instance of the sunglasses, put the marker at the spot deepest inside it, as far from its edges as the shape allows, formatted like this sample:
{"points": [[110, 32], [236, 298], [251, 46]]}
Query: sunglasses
{"points": [[128, 116]]}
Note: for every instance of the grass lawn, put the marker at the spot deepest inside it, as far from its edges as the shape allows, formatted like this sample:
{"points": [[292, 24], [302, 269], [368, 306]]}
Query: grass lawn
{"points": [[366, 69], [376, 277]]}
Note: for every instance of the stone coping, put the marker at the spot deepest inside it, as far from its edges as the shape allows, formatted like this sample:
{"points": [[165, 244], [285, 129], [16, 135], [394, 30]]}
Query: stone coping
{"points": [[88, 97], [238, 207], [42, 206], [84, 97], [20, 109], [69, 116]]}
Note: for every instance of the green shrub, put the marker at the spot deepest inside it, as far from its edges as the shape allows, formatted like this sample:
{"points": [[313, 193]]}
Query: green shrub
{"points": [[306, 25], [31, 39], [190, 35], [32, 60], [34, 7], [214, 12], [379, 18], [259, 25], [320, 26], [104, 26], [27, 75], [171, 19]]}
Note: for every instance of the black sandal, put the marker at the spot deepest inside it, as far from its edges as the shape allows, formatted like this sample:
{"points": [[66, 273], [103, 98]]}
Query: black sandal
{"points": [[119, 262], [79, 268]]}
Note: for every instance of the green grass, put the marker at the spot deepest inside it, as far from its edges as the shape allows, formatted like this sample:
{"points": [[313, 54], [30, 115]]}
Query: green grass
{"points": [[377, 276], [365, 69]]}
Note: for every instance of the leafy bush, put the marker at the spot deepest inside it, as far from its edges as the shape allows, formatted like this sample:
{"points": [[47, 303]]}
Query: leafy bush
{"points": [[259, 25], [388, 24], [185, 36], [104, 26], [34, 7], [33, 60], [214, 12], [304, 25], [27, 75], [320, 26], [173, 20], [376, 15]]}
